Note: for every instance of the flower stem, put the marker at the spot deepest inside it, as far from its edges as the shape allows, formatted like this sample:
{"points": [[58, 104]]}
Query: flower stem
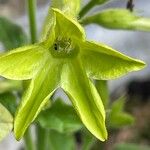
{"points": [[87, 8], [31, 6], [32, 20], [28, 141]]}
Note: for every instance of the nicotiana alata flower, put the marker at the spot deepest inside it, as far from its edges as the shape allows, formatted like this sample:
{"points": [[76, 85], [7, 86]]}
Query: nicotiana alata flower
{"points": [[64, 59]]}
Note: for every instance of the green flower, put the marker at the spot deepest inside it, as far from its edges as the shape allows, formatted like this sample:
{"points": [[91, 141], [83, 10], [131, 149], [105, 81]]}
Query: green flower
{"points": [[64, 59]]}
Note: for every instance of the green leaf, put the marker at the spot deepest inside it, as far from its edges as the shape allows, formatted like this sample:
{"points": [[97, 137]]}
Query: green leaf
{"points": [[42, 86], [103, 63], [9, 101], [60, 117], [84, 98], [88, 140], [67, 6], [22, 63], [64, 22], [58, 141], [117, 117], [119, 19], [6, 122], [130, 146], [11, 35]]}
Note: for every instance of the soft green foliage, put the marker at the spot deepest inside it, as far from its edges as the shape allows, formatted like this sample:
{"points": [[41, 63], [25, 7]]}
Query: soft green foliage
{"points": [[88, 140], [67, 6], [58, 141], [11, 35], [8, 100], [60, 117], [130, 146], [64, 59], [9, 85], [6, 122], [117, 117], [119, 19]]}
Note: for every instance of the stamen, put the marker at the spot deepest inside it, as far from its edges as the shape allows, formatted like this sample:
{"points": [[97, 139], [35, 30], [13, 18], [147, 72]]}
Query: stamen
{"points": [[63, 44]]}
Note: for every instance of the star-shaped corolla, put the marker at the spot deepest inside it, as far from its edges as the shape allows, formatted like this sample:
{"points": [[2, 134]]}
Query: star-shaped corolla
{"points": [[64, 59]]}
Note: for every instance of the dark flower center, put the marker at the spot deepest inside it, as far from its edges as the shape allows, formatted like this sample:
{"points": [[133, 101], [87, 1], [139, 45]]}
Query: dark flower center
{"points": [[64, 47]]}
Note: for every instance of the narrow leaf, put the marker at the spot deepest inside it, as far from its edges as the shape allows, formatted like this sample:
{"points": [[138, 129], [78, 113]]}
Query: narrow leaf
{"points": [[84, 98], [118, 117], [119, 19], [103, 63]]}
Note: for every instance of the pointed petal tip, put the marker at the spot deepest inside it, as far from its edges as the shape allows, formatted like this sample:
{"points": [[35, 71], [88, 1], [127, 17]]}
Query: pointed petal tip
{"points": [[139, 65], [18, 133], [102, 137], [17, 136], [105, 136]]}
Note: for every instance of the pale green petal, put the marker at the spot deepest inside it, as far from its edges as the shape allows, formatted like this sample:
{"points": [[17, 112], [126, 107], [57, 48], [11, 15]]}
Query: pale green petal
{"points": [[103, 63], [22, 63], [36, 96], [84, 98], [68, 27], [119, 19], [6, 122], [70, 7]]}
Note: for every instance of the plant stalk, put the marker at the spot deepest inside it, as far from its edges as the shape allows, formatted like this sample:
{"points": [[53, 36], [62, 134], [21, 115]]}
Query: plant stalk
{"points": [[87, 8], [32, 20], [31, 7], [42, 138], [28, 140]]}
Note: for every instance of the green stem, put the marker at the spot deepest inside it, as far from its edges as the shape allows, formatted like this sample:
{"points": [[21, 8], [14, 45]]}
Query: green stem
{"points": [[42, 138], [32, 20], [31, 6], [87, 8], [28, 141]]}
